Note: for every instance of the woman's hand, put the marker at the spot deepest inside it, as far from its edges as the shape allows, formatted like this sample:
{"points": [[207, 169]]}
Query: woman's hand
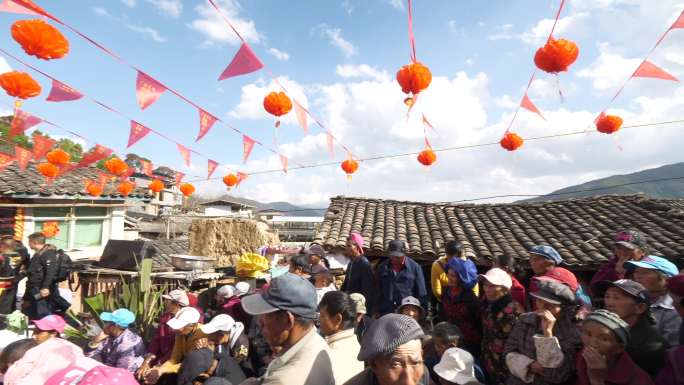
{"points": [[594, 359], [547, 322]]}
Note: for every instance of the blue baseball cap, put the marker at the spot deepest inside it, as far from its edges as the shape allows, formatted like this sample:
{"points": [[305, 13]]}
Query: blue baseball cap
{"points": [[119, 317], [547, 252], [652, 262]]}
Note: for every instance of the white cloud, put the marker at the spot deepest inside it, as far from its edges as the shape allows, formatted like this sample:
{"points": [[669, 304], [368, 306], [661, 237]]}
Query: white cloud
{"points": [[609, 70], [335, 38], [347, 6], [397, 4], [100, 11], [129, 3], [4, 66], [252, 96], [172, 8], [278, 54], [350, 71], [148, 32], [469, 61], [216, 30], [506, 102]]}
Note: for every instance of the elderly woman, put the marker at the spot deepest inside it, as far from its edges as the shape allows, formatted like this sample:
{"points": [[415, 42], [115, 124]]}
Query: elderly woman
{"points": [[121, 347], [459, 304], [499, 314], [542, 346]]}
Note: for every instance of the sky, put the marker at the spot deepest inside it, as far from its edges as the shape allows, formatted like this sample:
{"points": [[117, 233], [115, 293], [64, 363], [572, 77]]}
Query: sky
{"points": [[339, 59]]}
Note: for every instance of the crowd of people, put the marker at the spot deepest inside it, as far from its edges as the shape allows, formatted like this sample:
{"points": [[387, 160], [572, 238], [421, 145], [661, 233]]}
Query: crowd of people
{"points": [[382, 326]]}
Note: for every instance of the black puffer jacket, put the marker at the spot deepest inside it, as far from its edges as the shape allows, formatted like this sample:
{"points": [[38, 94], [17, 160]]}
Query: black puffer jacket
{"points": [[42, 269]]}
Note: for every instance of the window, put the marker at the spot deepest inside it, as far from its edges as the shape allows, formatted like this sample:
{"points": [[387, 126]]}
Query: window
{"points": [[79, 227]]}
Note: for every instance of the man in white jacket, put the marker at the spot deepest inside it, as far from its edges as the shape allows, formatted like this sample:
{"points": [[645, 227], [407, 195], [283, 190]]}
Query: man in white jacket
{"points": [[337, 312]]}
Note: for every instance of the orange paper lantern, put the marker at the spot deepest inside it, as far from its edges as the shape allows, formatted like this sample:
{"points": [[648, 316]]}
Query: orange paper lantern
{"points": [[156, 186], [116, 166], [511, 141], [556, 55], [19, 84], [125, 188], [230, 180], [48, 170], [40, 39], [413, 78], [50, 229], [608, 124], [277, 104], [427, 157], [58, 157], [187, 189], [350, 166], [93, 189]]}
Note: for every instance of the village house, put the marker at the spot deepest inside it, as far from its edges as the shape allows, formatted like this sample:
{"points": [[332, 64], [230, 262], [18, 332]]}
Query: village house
{"points": [[227, 208]]}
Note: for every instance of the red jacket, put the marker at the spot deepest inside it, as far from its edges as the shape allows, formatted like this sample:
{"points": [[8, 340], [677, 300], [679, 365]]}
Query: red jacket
{"points": [[161, 344], [624, 372], [518, 291]]}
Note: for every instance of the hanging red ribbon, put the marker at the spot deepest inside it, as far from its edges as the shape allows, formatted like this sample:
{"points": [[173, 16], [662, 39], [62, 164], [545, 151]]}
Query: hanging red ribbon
{"points": [[412, 39], [283, 162]]}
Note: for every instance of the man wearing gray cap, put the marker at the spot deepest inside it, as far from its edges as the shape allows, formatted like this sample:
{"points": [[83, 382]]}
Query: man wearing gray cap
{"points": [[393, 351], [287, 310]]}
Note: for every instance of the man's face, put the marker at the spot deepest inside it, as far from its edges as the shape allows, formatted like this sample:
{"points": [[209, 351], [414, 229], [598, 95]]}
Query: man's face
{"points": [[411, 311], [314, 259], [628, 253], [34, 245], [403, 367], [540, 265], [397, 260], [41, 336], [275, 328], [599, 337], [220, 338], [107, 328], [653, 280], [622, 304], [329, 324]]}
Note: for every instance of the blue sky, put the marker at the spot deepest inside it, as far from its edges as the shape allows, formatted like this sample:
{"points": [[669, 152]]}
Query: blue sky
{"points": [[339, 58]]}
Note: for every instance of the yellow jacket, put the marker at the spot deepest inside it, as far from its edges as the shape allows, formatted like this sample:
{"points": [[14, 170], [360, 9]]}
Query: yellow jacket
{"points": [[182, 346], [439, 279]]}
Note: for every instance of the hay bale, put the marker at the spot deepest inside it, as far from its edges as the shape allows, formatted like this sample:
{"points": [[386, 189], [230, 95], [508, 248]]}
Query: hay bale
{"points": [[227, 239]]}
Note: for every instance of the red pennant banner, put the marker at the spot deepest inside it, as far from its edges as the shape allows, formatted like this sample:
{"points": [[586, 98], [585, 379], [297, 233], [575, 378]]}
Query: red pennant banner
{"points": [[650, 70], [211, 167], [11, 7], [244, 62], [527, 104], [5, 160], [21, 122], [29, 5], [146, 167], [147, 90], [207, 120], [241, 176], [329, 142], [41, 146], [247, 146], [179, 178], [129, 172], [283, 162], [95, 155], [138, 131], [61, 92], [301, 117], [23, 156], [185, 153], [679, 23], [102, 179]]}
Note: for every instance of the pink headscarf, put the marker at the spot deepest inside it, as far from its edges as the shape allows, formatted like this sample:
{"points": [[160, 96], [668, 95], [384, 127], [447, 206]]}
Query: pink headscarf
{"points": [[358, 239]]}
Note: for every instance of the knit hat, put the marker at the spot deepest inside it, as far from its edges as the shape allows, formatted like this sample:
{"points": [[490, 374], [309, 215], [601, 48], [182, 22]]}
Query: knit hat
{"points": [[613, 322], [388, 333], [466, 270], [547, 252]]}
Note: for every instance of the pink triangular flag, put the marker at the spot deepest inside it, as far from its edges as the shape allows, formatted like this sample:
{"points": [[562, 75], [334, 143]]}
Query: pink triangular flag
{"points": [[21, 122], [146, 167], [650, 70], [41, 145], [147, 90], [179, 178], [211, 167], [207, 120], [247, 146], [22, 156], [244, 62], [527, 104], [11, 7], [679, 23], [301, 117], [138, 131], [241, 176], [329, 142], [283, 162], [185, 153], [61, 92], [31, 6], [95, 155]]}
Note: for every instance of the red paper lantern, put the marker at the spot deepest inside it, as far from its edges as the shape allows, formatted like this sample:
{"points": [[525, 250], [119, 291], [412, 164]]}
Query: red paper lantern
{"points": [[350, 166], [58, 157], [19, 84], [94, 189], [413, 78], [277, 104], [50, 229], [230, 180], [187, 189], [156, 186], [40, 39], [511, 141], [608, 124], [556, 55], [125, 188], [48, 170], [116, 166], [427, 157]]}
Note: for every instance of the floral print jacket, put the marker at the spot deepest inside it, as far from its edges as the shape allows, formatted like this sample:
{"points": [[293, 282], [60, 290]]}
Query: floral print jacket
{"points": [[498, 319]]}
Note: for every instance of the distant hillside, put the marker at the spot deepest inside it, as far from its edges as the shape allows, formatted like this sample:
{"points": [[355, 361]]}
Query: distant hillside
{"points": [[288, 208], [659, 189]]}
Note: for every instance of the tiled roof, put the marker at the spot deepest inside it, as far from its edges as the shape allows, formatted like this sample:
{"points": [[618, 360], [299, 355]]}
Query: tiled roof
{"points": [[31, 184], [580, 229], [164, 248]]}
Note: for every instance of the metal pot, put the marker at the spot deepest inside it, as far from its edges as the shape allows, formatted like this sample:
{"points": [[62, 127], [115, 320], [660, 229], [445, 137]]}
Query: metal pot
{"points": [[192, 262]]}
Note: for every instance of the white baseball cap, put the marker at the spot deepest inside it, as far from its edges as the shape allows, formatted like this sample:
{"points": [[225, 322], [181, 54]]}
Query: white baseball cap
{"points": [[220, 323], [498, 277], [456, 366], [178, 296], [226, 291], [185, 317], [242, 288]]}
